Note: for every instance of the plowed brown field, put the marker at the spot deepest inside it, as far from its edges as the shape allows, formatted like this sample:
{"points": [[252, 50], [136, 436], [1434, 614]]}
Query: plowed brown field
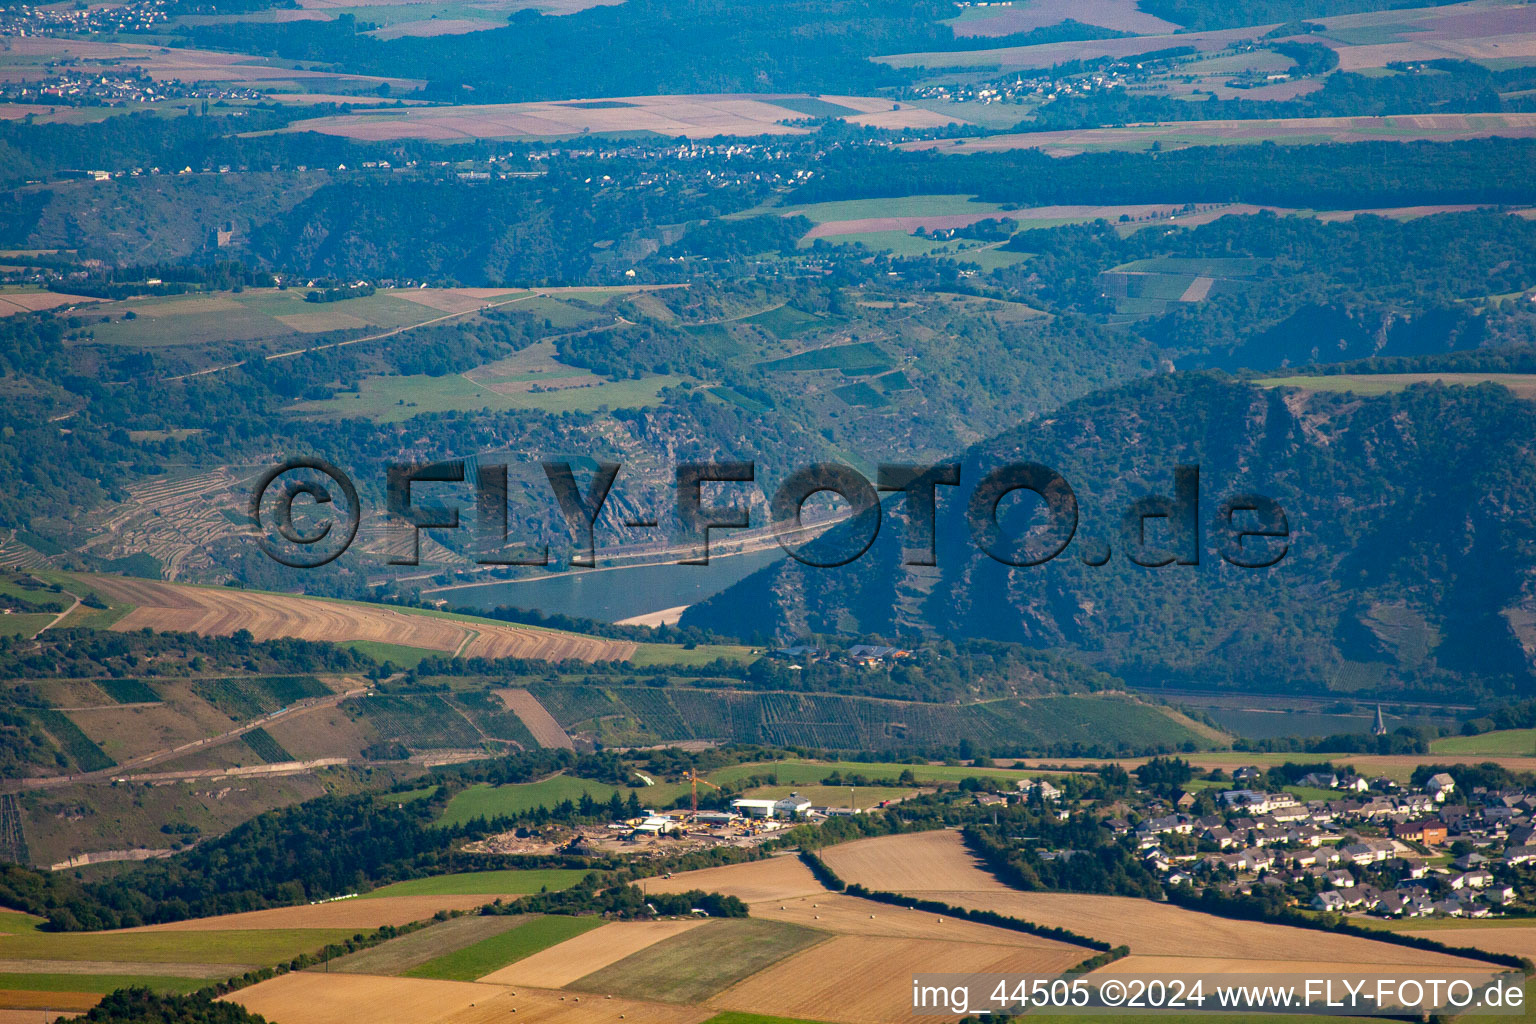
{"points": [[218, 611]]}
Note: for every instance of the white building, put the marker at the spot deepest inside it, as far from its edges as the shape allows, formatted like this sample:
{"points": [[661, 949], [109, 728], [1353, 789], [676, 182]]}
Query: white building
{"points": [[792, 806], [750, 808], [1440, 786]]}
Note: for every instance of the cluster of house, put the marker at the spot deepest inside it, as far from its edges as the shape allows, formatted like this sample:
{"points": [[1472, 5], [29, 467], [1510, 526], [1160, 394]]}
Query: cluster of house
{"points": [[1018, 88], [136, 16], [1375, 851], [69, 87], [862, 655], [1044, 86]]}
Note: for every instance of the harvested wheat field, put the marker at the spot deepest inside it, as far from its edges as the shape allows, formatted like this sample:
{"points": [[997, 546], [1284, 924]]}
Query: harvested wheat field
{"points": [[539, 721], [776, 878], [701, 116], [923, 862], [866, 979], [849, 915], [305, 998], [1163, 930], [915, 862], [361, 914], [14, 1016], [31, 302], [457, 300], [219, 611], [1191, 966], [560, 965], [1517, 941], [26, 1005]]}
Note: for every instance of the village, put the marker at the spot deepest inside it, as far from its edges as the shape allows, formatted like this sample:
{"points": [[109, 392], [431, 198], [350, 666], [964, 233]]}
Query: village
{"points": [[70, 83], [1380, 848], [27, 20]]}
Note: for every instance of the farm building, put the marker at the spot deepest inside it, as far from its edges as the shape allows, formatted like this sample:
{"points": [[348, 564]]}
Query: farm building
{"points": [[654, 825], [749, 807], [792, 806]]}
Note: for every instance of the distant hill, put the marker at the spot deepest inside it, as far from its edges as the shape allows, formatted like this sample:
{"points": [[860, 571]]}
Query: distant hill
{"points": [[1409, 568]]}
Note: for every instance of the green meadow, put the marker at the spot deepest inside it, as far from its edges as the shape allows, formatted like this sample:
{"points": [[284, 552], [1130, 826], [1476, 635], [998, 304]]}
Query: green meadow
{"points": [[395, 398], [484, 883], [492, 954]]}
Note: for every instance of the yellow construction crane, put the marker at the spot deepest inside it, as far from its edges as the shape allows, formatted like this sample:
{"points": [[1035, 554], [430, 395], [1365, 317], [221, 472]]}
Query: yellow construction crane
{"points": [[694, 778]]}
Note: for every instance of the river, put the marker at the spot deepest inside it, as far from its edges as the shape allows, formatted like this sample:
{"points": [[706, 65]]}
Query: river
{"points": [[614, 594]]}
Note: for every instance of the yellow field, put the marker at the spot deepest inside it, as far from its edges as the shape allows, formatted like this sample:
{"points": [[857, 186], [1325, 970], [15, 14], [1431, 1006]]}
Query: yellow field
{"points": [[306, 998], [575, 958], [776, 878], [917, 862], [867, 979], [356, 913], [220, 611]]}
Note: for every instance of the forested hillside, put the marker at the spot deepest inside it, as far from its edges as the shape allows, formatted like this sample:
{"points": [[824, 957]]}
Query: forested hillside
{"points": [[1408, 566]]}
